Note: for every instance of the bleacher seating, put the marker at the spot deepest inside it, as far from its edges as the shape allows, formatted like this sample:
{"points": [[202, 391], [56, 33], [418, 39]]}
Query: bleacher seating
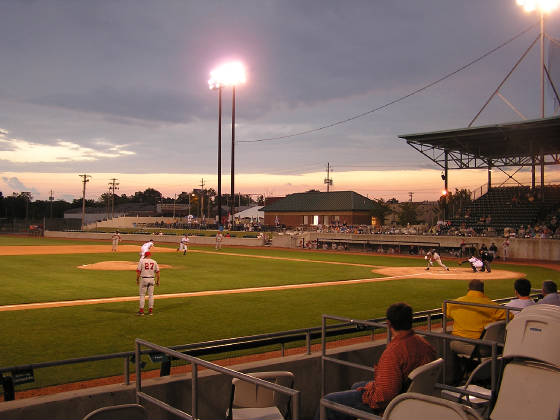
{"points": [[121, 412], [508, 207], [412, 406], [529, 381], [250, 401]]}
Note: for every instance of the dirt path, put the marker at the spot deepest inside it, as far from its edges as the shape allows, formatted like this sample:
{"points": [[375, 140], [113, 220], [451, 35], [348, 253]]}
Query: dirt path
{"points": [[72, 249]]}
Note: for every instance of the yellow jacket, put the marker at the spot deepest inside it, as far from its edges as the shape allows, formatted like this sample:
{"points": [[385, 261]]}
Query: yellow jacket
{"points": [[469, 321]]}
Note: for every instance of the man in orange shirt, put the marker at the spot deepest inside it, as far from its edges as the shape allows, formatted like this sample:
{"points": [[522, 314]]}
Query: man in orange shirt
{"points": [[403, 354]]}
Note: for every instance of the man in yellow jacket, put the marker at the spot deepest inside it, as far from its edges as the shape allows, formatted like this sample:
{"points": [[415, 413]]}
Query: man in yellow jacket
{"points": [[469, 321]]}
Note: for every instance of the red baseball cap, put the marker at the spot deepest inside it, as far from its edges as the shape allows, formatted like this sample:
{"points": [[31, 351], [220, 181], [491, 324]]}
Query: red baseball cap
{"points": [[147, 254]]}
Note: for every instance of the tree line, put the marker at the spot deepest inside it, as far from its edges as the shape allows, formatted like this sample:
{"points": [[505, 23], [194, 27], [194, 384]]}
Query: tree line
{"points": [[23, 206]]}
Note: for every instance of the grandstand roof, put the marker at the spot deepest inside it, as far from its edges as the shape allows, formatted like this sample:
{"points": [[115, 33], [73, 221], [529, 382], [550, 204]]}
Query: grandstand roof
{"points": [[321, 201], [511, 144]]}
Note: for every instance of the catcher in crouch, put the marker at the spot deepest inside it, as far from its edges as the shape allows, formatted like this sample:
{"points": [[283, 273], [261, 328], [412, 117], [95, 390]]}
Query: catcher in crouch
{"points": [[432, 256]]}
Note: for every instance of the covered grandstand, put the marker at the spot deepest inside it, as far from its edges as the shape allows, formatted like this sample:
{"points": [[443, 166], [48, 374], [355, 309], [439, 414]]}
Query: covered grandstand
{"points": [[508, 148]]}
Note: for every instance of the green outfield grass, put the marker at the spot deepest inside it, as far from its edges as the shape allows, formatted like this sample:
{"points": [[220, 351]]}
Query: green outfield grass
{"points": [[59, 333]]}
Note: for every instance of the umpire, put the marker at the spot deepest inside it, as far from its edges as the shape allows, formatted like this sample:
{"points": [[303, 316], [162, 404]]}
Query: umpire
{"points": [[486, 257]]}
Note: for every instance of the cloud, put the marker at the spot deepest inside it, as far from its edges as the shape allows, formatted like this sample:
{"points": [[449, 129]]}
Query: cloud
{"points": [[23, 151], [15, 184]]}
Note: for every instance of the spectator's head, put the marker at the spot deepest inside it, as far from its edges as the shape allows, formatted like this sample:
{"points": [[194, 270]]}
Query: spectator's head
{"points": [[548, 287], [399, 316], [476, 284], [522, 287]]}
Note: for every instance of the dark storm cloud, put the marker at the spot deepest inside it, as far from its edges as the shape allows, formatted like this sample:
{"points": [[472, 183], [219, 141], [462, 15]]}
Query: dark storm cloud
{"points": [[136, 71], [150, 60]]}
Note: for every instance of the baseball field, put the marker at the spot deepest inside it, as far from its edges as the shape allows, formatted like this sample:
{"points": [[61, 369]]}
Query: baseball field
{"points": [[63, 299]]}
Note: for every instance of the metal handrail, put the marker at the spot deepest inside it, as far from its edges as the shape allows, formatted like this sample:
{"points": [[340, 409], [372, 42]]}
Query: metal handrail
{"points": [[196, 362]]}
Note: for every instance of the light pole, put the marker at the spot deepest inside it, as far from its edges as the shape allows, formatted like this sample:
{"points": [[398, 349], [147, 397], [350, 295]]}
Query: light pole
{"points": [[543, 6], [228, 74]]}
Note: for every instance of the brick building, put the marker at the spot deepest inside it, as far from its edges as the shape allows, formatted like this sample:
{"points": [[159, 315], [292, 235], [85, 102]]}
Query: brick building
{"points": [[319, 208]]}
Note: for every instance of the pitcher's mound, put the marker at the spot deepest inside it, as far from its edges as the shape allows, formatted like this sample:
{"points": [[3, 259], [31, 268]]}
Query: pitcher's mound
{"points": [[459, 273], [116, 265]]}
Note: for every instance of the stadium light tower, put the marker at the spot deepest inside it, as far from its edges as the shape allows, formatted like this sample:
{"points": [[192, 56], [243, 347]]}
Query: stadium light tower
{"points": [[228, 74], [542, 6]]}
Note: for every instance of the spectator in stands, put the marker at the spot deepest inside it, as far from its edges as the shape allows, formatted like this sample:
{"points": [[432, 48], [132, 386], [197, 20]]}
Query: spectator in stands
{"points": [[403, 354], [469, 321], [522, 289], [550, 293]]}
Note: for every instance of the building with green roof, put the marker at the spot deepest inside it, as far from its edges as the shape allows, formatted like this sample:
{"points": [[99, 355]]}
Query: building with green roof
{"points": [[319, 208]]}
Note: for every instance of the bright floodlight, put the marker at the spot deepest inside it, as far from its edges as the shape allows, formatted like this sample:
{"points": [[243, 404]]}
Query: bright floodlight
{"points": [[542, 5], [229, 74]]}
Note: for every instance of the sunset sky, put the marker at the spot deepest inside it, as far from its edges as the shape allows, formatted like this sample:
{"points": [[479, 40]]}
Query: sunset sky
{"points": [[119, 89]]}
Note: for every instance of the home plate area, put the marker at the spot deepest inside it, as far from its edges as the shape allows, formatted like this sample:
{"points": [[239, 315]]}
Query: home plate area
{"points": [[459, 273]]}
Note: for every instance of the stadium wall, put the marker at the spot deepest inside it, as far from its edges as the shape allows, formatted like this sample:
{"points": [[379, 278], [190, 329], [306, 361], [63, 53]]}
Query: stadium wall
{"points": [[520, 248], [530, 249], [214, 388]]}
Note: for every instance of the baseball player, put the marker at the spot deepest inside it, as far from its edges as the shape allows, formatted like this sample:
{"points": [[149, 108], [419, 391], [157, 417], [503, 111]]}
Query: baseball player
{"points": [[146, 271], [476, 264], [486, 258], [183, 245], [432, 256], [146, 248], [219, 238], [505, 249], [116, 238]]}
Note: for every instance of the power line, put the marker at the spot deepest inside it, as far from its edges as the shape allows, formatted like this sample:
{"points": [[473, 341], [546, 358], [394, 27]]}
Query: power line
{"points": [[402, 98]]}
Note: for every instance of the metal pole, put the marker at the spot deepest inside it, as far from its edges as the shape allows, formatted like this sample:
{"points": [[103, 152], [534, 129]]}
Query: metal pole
{"points": [[489, 174], [542, 64], [194, 394], [232, 197], [323, 353], [219, 156], [127, 370], [138, 371]]}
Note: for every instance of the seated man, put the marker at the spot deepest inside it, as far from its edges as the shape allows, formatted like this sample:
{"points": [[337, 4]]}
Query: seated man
{"points": [[522, 291], [402, 355], [550, 292], [469, 321]]}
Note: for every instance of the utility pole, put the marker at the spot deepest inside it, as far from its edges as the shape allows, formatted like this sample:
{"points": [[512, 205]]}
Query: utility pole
{"points": [[27, 195], [328, 179], [51, 199], [107, 201], [85, 180], [410, 194], [112, 187], [202, 198]]}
